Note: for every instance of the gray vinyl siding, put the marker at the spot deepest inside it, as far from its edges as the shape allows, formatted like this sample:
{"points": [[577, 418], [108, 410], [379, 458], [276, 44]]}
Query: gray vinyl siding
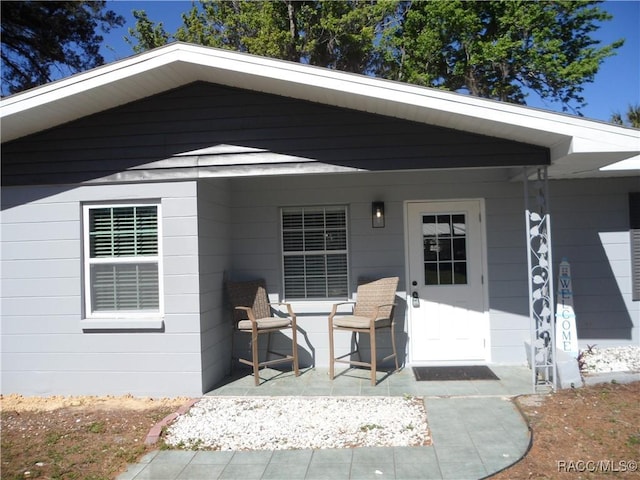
{"points": [[591, 229], [45, 349], [214, 219], [159, 138]]}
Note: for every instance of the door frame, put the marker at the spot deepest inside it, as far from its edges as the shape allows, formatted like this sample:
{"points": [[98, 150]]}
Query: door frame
{"points": [[485, 283]]}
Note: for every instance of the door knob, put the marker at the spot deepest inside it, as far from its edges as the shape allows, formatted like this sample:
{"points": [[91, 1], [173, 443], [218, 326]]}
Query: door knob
{"points": [[415, 300]]}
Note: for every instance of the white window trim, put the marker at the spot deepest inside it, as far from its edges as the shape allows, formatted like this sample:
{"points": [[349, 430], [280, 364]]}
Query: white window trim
{"points": [[121, 318]]}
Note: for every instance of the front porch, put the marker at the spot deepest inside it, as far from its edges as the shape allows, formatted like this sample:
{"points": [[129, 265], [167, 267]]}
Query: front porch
{"points": [[475, 429], [513, 380]]}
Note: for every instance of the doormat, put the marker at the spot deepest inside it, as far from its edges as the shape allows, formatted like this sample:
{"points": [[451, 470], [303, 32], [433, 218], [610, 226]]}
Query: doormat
{"points": [[470, 372]]}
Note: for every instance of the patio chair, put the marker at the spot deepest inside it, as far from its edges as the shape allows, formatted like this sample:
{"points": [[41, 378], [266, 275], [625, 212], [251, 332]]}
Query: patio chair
{"points": [[254, 315], [372, 311]]}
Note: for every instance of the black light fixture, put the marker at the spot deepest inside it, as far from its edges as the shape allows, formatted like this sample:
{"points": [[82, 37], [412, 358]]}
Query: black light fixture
{"points": [[377, 215]]}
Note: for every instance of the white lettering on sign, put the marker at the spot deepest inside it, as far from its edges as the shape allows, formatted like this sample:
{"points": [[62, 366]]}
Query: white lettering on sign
{"points": [[566, 333]]}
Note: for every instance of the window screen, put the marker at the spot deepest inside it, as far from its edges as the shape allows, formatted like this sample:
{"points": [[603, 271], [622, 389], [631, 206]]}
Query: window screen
{"points": [[314, 252]]}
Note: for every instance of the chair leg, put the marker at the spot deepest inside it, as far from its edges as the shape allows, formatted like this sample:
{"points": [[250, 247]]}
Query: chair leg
{"points": [[268, 351], [372, 338], [393, 345], [232, 351], [254, 357], [331, 355], [355, 341], [294, 348]]}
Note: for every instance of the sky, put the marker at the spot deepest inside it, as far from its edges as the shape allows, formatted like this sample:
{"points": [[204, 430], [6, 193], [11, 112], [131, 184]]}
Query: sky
{"points": [[616, 85]]}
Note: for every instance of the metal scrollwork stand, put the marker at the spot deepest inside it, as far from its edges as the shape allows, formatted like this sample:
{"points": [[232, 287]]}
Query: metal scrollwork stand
{"points": [[541, 306]]}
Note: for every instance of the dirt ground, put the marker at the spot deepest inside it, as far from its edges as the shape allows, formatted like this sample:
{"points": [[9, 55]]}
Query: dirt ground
{"points": [[578, 434], [89, 438], [585, 433]]}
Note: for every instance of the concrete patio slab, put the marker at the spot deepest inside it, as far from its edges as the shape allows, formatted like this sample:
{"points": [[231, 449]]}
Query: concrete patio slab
{"points": [[475, 427]]}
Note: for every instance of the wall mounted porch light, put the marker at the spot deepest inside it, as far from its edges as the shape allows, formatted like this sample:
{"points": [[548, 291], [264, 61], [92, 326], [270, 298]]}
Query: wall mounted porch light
{"points": [[377, 215]]}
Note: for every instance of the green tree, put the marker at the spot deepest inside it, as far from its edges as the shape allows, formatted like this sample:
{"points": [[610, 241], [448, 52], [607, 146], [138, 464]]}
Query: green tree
{"points": [[632, 117], [45, 40], [339, 35], [262, 28], [495, 49], [146, 34], [345, 35], [502, 49]]}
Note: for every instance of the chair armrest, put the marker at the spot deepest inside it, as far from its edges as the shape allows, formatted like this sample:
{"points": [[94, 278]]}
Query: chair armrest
{"points": [[334, 308], [249, 311], [290, 311]]}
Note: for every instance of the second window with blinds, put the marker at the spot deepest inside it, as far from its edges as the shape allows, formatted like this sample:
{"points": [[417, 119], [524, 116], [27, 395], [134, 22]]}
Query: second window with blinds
{"points": [[315, 252]]}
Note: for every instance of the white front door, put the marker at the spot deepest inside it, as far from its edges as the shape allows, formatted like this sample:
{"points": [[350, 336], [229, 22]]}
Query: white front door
{"points": [[446, 299]]}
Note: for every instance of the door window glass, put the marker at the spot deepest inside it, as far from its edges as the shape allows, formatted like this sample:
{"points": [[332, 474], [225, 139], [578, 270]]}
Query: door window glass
{"points": [[445, 249]]}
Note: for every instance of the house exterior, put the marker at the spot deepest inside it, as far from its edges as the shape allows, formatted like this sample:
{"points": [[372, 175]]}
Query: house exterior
{"points": [[131, 192]]}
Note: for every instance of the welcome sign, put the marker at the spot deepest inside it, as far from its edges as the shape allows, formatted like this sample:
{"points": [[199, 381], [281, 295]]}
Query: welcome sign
{"points": [[566, 333]]}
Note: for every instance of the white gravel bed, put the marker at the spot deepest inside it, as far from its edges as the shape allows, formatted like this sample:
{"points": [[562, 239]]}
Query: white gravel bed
{"points": [[611, 359], [280, 423]]}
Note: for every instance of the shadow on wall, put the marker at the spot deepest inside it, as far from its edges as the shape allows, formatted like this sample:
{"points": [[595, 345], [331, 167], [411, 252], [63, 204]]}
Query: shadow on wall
{"points": [[600, 268], [593, 232]]}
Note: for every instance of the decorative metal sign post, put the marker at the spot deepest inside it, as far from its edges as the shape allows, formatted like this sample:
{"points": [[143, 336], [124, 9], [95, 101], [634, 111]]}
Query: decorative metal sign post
{"points": [[566, 333], [538, 222]]}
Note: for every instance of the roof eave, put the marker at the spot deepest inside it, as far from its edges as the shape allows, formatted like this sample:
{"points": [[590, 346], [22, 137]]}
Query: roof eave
{"points": [[567, 137]]}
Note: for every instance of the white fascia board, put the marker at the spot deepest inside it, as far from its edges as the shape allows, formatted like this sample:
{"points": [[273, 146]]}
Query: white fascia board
{"points": [[83, 82], [621, 144], [583, 157], [603, 142], [632, 163], [133, 64]]}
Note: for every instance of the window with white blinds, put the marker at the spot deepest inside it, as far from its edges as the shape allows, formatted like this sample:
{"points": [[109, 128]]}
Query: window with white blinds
{"points": [[314, 252], [122, 259]]}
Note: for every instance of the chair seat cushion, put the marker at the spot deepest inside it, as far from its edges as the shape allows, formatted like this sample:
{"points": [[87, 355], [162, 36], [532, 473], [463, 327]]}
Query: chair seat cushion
{"points": [[355, 321], [269, 322]]}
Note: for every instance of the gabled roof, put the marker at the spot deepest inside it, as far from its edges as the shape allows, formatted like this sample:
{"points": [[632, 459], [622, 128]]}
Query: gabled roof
{"points": [[578, 146]]}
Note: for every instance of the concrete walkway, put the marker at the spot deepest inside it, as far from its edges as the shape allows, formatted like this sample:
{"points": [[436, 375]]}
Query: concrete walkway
{"points": [[476, 431]]}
